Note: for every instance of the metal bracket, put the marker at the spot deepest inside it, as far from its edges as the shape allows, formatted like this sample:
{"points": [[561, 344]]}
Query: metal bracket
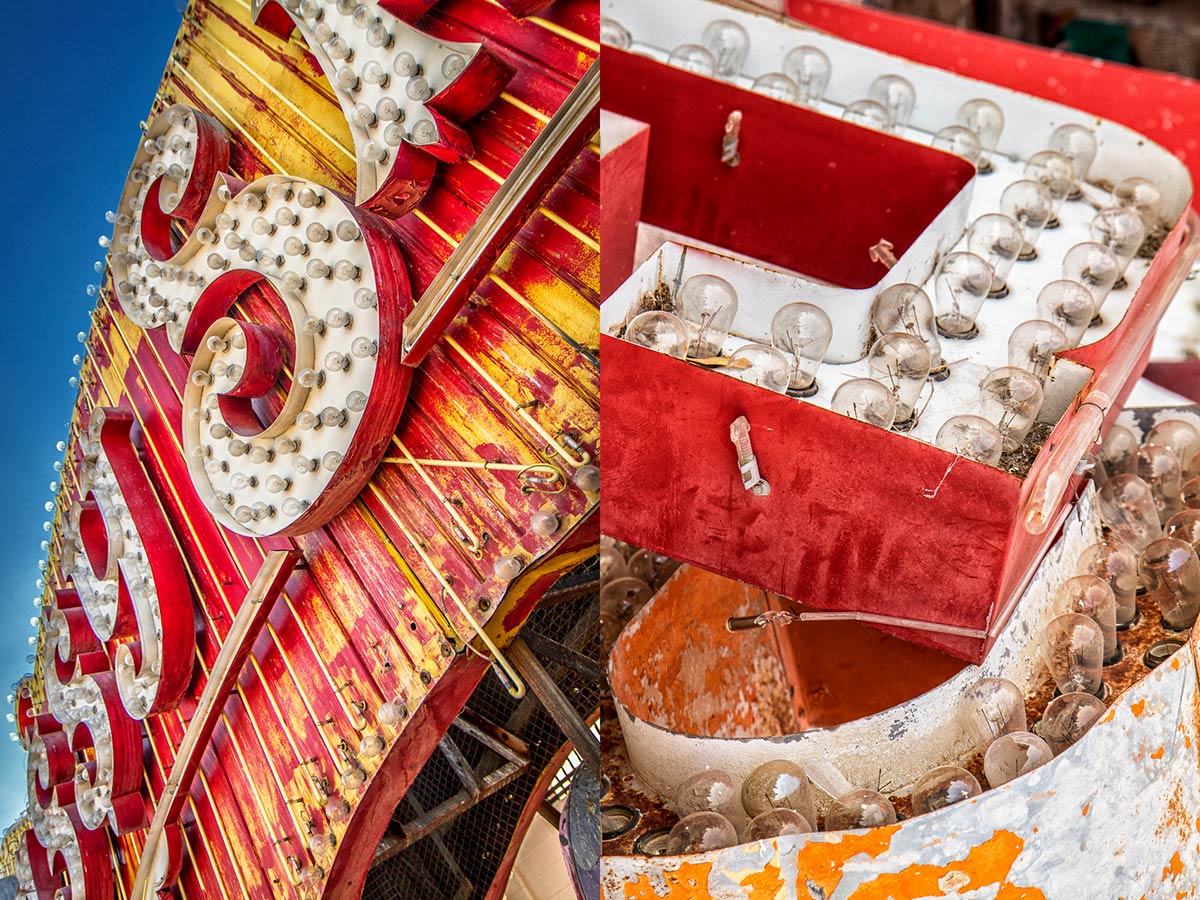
{"points": [[739, 433], [729, 142]]}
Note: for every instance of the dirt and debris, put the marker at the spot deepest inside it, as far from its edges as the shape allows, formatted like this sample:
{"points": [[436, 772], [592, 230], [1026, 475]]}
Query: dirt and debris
{"points": [[1021, 460]]}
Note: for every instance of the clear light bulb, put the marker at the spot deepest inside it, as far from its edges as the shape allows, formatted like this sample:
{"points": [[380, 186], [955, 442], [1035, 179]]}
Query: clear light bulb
{"points": [[1181, 438], [1091, 596], [997, 240], [868, 114], [1144, 197], [1013, 755], [1121, 231], [1190, 495], [1073, 650], [866, 400], [959, 141], [802, 332], [1117, 564], [1069, 305], [972, 437], [1095, 267], [986, 119], [1033, 345], [941, 787], [1077, 144], [992, 707], [778, 784], [1127, 507], [707, 305], [1054, 172], [1159, 468], [777, 85], [713, 790], [729, 43], [907, 308], [614, 34], [859, 809], [897, 95], [1028, 203], [776, 822], [1184, 526], [1011, 398], [761, 365], [961, 285], [901, 363], [661, 331], [1171, 573], [1118, 450], [809, 68], [693, 58], [700, 832], [1068, 718]]}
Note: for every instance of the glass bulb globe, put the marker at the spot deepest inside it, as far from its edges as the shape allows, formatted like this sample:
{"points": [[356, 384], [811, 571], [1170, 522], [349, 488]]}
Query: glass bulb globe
{"points": [[1068, 718], [866, 400], [868, 114], [761, 365], [729, 43], [707, 305], [802, 332], [809, 68], [1029, 204], [713, 790], [972, 437], [1160, 469], [1117, 564], [901, 363], [1181, 438], [1183, 526], [1069, 305], [1171, 573], [1144, 197], [1095, 267], [1127, 507], [897, 95], [992, 707], [1190, 495], [1012, 755], [959, 141], [693, 58], [1072, 648], [859, 809], [942, 786], [997, 240], [699, 832], [777, 85], [960, 287], [1091, 596], [1054, 172], [661, 331], [1077, 144], [986, 119], [776, 822], [1121, 231], [614, 34], [1032, 346], [1118, 450], [907, 308], [1011, 398], [778, 784], [612, 564]]}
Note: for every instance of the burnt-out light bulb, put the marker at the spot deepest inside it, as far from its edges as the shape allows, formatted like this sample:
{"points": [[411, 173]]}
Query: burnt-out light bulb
{"points": [[961, 285], [1069, 305], [1182, 439], [1092, 596], [778, 784], [777, 85], [900, 363], [1117, 564], [661, 331], [614, 34], [943, 786], [1029, 204], [1127, 507], [1054, 172], [1144, 197], [992, 707], [775, 823], [959, 141], [1011, 398], [866, 400], [868, 114], [1185, 526], [907, 308], [986, 119], [971, 437], [802, 332], [712, 790], [1067, 718], [896, 94], [809, 68], [1159, 468], [1171, 573], [729, 43], [1072, 647], [1118, 450], [761, 365], [1077, 144], [707, 305], [1013, 755], [997, 240], [693, 58], [1033, 345], [700, 832], [859, 809], [1121, 231], [1095, 267]]}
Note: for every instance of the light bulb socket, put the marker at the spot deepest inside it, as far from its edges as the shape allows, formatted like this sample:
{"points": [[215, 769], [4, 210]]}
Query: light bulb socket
{"points": [[617, 820], [809, 391], [1137, 617], [964, 336], [652, 843], [1053, 223], [1159, 652], [1102, 693], [940, 372], [984, 166], [1183, 629], [905, 426], [1028, 253], [999, 289], [1117, 656]]}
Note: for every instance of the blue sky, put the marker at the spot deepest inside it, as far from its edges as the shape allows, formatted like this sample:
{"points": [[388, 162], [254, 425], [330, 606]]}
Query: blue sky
{"points": [[79, 78]]}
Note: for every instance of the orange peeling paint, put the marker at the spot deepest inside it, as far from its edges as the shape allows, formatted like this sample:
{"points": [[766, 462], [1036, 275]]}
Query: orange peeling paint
{"points": [[1158, 754], [1138, 708], [1174, 869], [1110, 715], [1087, 808], [682, 883], [821, 862], [764, 884]]}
